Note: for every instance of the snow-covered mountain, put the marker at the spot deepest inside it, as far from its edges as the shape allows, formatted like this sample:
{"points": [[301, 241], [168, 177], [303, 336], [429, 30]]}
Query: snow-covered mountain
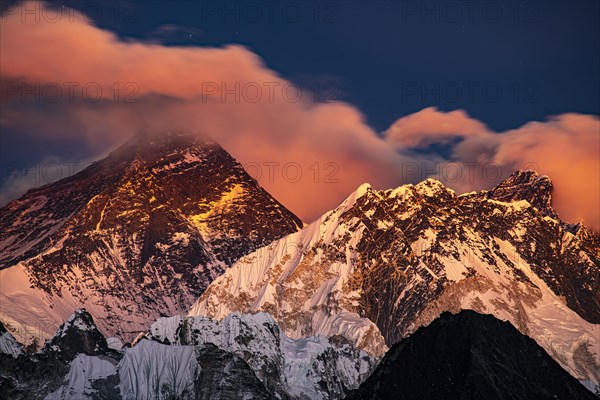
{"points": [[34, 376], [243, 357], [8, 344], [133, 237], [469, 356], [301, 313], [312, 368], [384, 263]]}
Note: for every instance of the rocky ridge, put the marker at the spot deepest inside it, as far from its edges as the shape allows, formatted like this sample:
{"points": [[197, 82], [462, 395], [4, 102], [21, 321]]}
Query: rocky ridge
{"points": [[384, 263]]}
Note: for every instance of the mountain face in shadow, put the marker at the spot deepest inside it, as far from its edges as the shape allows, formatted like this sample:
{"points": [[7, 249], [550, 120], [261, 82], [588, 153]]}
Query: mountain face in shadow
{"points": [[469, 356]]}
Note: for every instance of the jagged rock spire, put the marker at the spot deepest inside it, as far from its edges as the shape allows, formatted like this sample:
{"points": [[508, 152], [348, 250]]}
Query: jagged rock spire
{"points": [[526, 185], [78, 334]]}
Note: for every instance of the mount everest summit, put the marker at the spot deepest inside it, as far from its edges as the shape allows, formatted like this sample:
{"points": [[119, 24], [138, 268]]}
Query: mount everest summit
{"points": [[133, 237]]}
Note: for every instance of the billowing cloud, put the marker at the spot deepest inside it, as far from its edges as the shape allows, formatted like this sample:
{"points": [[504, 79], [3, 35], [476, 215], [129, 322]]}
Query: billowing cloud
{"points": [[429, 126], [309, 155], [566, 148]]}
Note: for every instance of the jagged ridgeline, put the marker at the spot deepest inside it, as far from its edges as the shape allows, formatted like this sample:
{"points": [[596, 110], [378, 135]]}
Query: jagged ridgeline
{"points": [[385, 262], [242, 357]]}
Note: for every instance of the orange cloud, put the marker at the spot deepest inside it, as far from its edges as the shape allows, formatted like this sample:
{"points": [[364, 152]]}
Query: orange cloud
{"points": [[566, 148], [308, 155], [430, 126]]}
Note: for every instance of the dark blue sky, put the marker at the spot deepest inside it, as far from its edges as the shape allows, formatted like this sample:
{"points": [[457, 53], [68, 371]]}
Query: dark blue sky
{"points": [[506, 62]]}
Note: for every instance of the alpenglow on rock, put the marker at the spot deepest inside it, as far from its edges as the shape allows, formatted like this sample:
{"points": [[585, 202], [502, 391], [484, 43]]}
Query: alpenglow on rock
{"points": [[386, 262], [133, 237], [529, 186]]}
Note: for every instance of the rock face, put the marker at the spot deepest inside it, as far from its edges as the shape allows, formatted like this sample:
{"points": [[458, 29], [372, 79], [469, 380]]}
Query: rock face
{"points": [[132, 237], [386, 262], [529, 186], [34, 376], [151, 370], [240, 382], [78, 334], [469, 356]]}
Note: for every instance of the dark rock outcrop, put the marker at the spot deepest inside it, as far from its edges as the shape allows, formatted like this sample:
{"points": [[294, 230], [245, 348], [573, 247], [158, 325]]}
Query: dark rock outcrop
{"points": [[529, 186], [34, 376], [77, 335], [224, 376]]}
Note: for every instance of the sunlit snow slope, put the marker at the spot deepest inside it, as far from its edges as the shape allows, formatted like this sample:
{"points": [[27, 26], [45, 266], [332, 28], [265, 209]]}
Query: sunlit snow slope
{"points": [[386, 262]]}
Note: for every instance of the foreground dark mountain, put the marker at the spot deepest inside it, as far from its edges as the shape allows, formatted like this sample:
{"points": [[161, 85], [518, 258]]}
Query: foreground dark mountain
{"points": [[133, 237], [386, 262], [469, 356]]}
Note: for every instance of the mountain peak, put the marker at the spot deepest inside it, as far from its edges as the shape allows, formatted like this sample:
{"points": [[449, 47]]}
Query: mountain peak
{"points": [[460, 355], [526, 185], [141, 232], [431, 187], [150, 145], [361, 190], [170, 136], [78, 334], [80, 319], [350, 201], [527, 175]]}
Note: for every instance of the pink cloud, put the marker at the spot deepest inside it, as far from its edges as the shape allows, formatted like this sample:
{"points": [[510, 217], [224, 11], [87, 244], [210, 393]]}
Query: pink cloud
{"points": [[566, 148], [430, 126], [212, 90], [182, 88]]}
